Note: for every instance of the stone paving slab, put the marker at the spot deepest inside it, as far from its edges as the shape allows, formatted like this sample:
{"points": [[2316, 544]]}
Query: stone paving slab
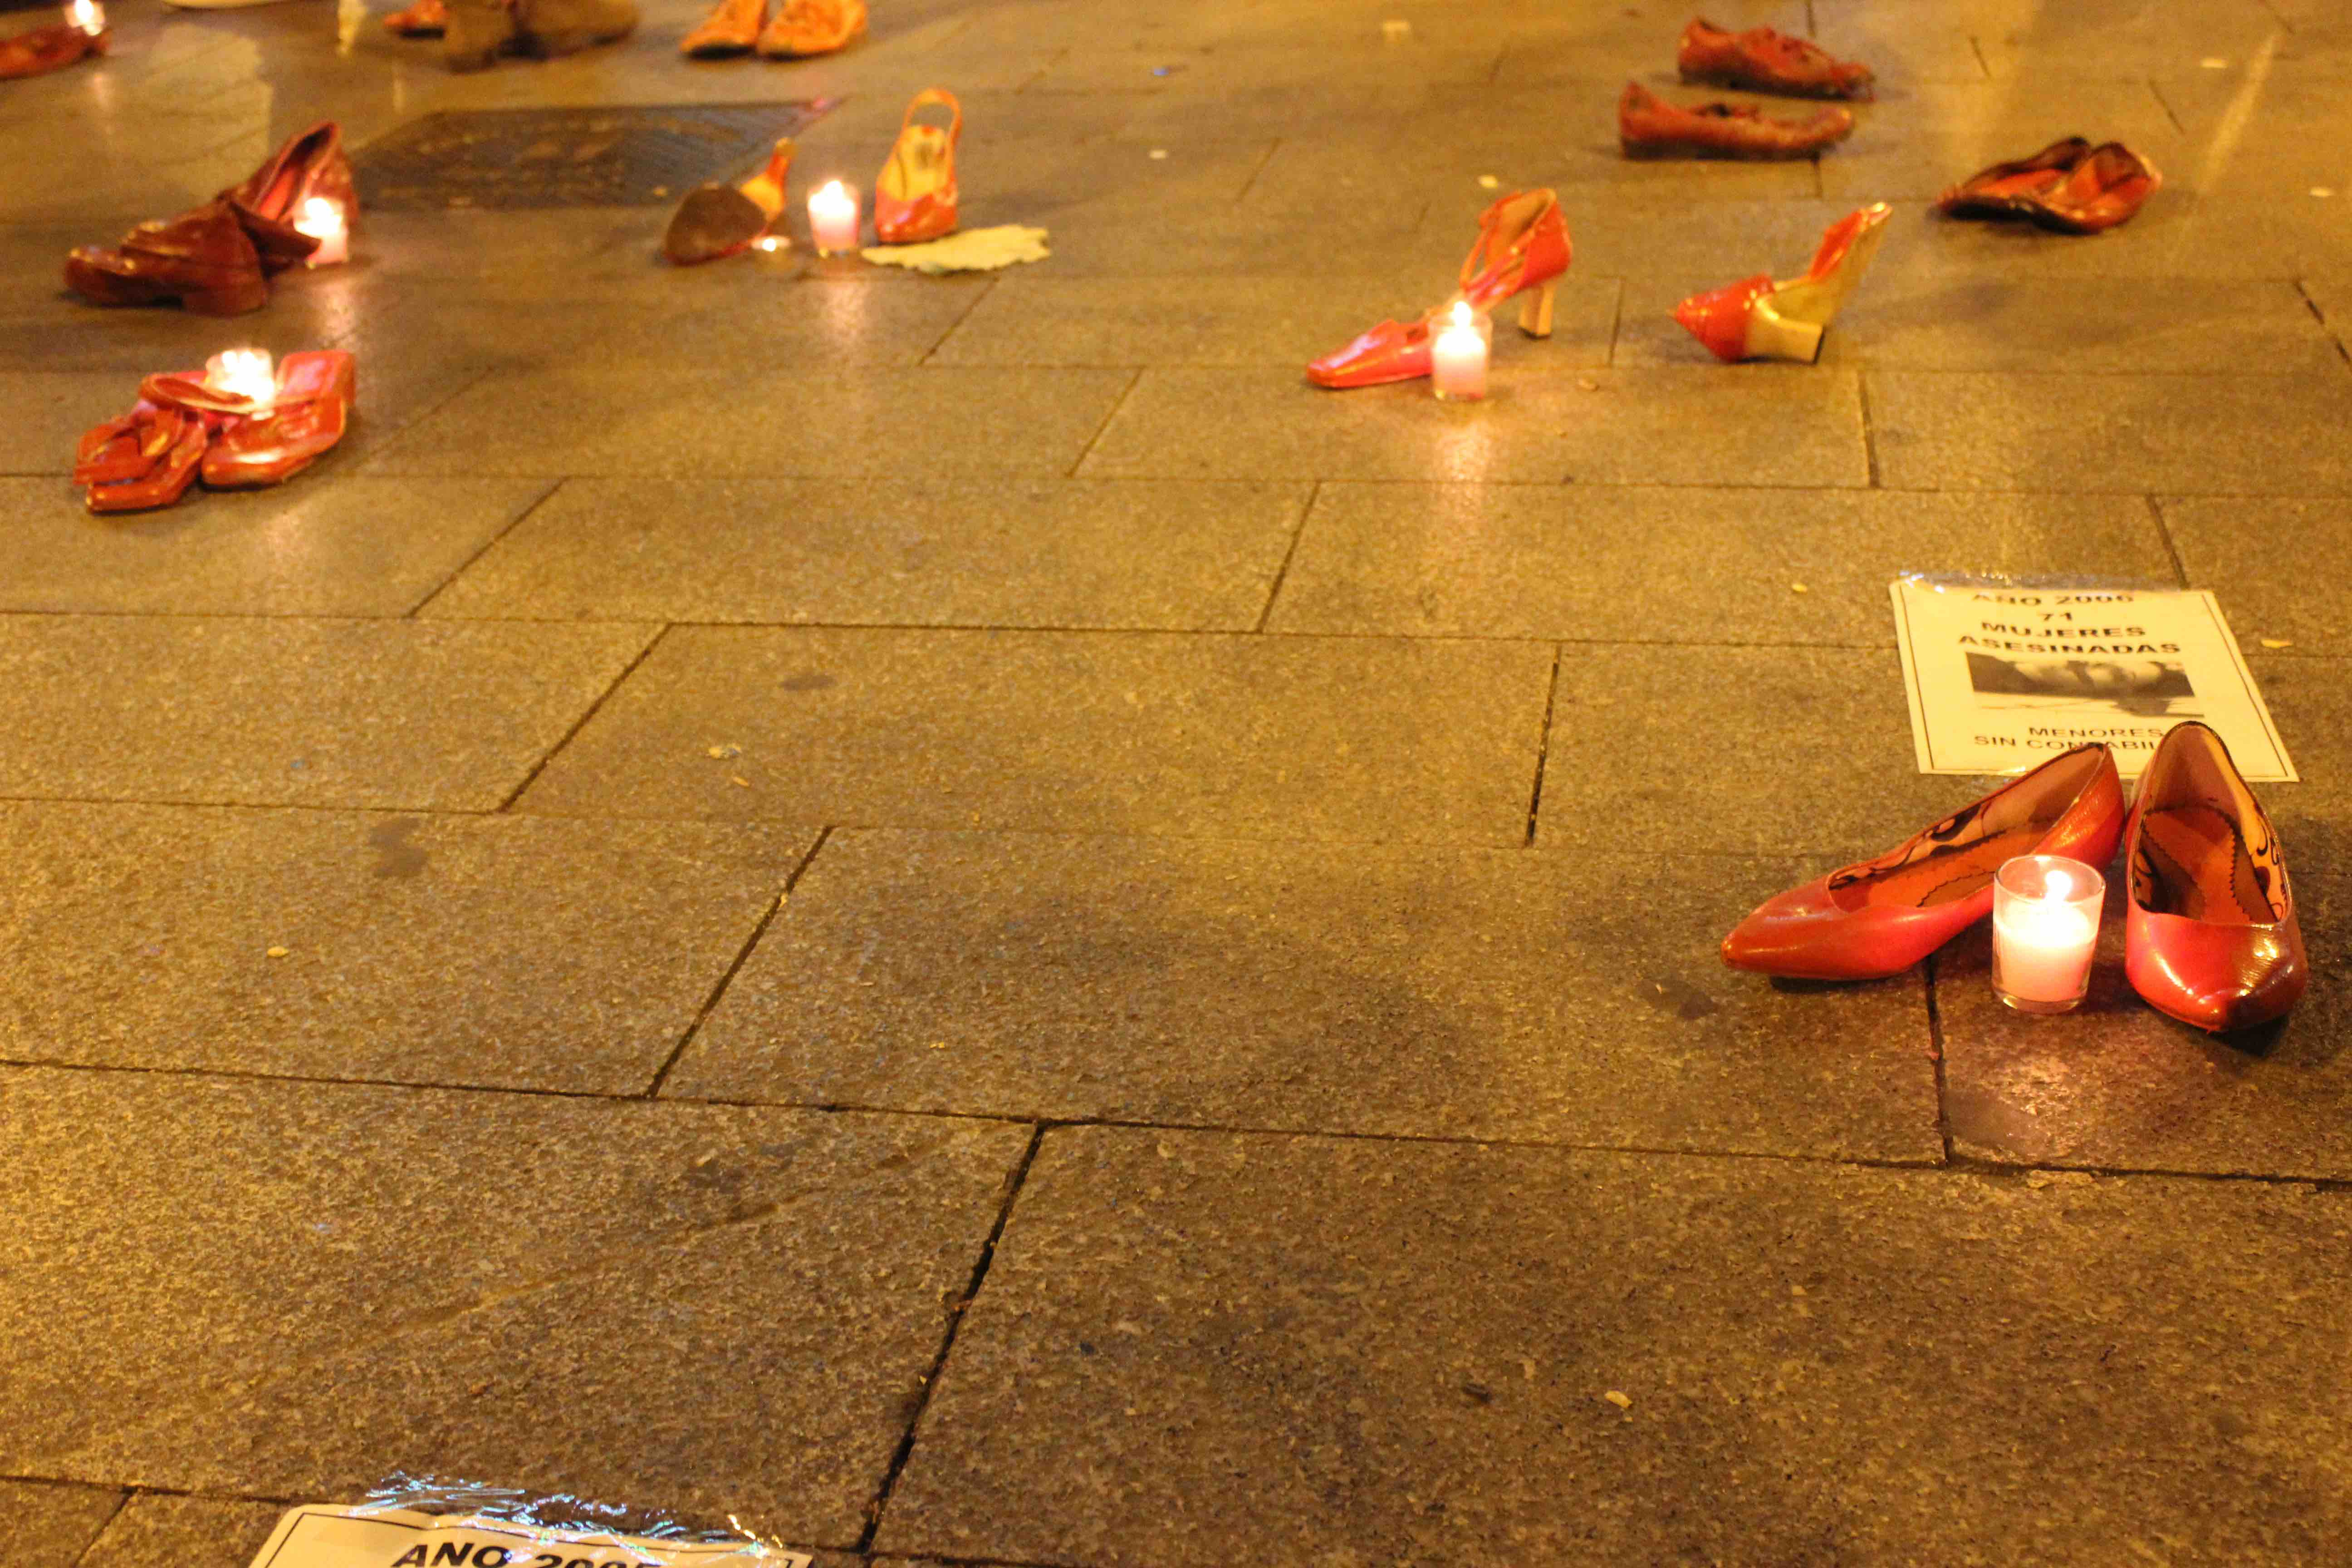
{"points": [[45, 1526], [2117, 1085], [1294, 738], [1205, 1347], [703, 1310], [1238, 322], [2310, 699], [682, 423], [286, 712], [1397, 992], [1597, 427], [1043, 553], [164, 1532], [1736, 751], [2245, 435], [2264, 560], [1593, 564], [2221, 327], [352, 547], [523, 953]]}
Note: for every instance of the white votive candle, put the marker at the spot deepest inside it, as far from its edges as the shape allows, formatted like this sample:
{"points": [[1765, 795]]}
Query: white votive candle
{"points": [[86, 15], [243, 372], [1458, 357], [323, 218], [832, 218], [2046, 922]]}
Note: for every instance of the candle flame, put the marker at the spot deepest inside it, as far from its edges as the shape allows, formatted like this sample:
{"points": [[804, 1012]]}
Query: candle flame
{"points": [[243, 372], [86, 16], [1460, 315], [2057, 885], [319, 216]]}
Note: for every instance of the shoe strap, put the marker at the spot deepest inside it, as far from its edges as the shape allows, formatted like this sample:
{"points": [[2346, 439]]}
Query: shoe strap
{"points": [[936, 98]]}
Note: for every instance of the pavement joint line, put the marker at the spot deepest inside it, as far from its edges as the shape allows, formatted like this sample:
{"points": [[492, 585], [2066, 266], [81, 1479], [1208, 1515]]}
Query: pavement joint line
{"points": [[1935, 1049], [417, 609], [1015, 1181], [1869, 432], [1117, 403], [1282, 571], [1543, 743], [1616, 329], [532, 776], [743, 956], [1259, 167], [2156, 90], [923, 359], [2164, 532], [104, 1525], [1976, 49]]}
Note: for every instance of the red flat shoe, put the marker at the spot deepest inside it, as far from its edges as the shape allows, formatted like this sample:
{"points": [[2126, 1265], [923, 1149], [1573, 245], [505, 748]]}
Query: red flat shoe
{"points": [[49, 49], [270, 199], [426, 19], [201, 259], [145, 460], [2210, 933], [915, 194], [2069, 185], [308, 416], [1766, 61], [1650, 127], [1881, 917], [1758, 319], [1523, 247]]}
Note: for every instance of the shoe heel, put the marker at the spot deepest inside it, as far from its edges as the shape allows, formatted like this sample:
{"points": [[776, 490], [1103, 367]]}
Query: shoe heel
{"points": [[1535, 311]]}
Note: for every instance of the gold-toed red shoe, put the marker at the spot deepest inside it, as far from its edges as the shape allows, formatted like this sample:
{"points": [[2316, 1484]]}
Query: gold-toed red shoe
{"points": [[915, 194], [1882, 916], [1522, 249], [2210, 931], [1758, 319]]}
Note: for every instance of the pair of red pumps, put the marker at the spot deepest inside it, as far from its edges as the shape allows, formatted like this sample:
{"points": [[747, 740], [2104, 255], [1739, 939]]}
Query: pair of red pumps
{"points": [[2210, 933], [184, 427], [1522, 248]]}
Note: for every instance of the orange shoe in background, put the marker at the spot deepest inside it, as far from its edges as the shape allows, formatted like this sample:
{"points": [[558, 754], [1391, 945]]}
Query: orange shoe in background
{"points": [[733, 28], [807, 27]]}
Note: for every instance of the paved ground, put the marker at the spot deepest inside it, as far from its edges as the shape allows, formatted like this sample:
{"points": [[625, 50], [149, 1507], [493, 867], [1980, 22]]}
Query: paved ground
{"points": [[798, 799]]}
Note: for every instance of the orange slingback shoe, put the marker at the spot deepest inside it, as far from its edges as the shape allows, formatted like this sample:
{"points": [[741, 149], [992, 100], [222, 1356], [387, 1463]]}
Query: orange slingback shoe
{"points": [[1523, 247], [1758, 319], [915, 194]]}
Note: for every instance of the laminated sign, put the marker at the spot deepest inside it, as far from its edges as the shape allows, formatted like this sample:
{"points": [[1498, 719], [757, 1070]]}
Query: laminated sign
{"points": [[2002, 678], [320, 1536]]}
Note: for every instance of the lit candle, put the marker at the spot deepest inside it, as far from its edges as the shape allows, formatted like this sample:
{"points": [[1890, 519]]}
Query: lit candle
{"points": [[832, 218], [242, 373], [1458, 357], [321, 218], [86, 15], [2045, 921]]}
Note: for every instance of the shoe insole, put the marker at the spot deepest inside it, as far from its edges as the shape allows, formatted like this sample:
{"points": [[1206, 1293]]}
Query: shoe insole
{"points": [[2200, 868], [1962, 871], [919, 165]]}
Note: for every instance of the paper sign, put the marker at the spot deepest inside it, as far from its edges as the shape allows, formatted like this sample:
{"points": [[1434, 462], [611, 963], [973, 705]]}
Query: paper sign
{"points": [[319, 1535], [2001, 679]]}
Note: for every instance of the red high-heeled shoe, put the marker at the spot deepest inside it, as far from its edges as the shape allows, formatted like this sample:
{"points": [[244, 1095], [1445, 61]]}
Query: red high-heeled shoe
{"points": [[1881, 917], [1758, 319], [2210, 931], [269, 200], [1523, 247]]}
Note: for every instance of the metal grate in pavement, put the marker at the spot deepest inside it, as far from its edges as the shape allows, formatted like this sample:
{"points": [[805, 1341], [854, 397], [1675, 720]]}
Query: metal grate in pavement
{"points": [[641, 155]]}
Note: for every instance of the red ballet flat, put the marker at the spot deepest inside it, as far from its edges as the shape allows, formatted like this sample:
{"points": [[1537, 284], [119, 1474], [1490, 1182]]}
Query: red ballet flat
{"points": [[1522, 248], [1766, 61], [2069, 185], [301, 424], [145, 460], [2210, 930], [1882, 916]]}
